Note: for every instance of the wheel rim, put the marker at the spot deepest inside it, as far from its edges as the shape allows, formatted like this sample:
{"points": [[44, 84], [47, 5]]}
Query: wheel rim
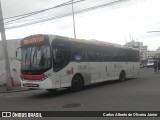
{"points": [[76, 84]]}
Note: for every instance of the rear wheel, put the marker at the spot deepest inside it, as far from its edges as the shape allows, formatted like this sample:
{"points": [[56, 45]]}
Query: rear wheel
{"points": [[122, 76], [77, 83]]}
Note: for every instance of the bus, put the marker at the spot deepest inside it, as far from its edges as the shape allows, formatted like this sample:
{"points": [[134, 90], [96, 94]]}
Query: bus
{"points": [[51, 62]]}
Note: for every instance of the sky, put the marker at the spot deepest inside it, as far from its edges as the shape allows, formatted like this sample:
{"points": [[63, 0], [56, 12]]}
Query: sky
{"points": [[118, 23]]}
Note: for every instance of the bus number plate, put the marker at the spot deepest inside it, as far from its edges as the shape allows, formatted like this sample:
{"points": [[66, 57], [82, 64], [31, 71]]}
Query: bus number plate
{"points": [[31, 85], [82, 67]]}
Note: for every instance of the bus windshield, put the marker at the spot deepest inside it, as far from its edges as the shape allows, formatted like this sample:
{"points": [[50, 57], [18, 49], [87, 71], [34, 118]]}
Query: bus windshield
{"points": [[36, 57]]}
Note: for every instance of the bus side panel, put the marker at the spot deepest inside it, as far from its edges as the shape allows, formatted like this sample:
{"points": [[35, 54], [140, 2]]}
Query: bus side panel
{"points": [[113, 71], [62, 77], [105, 66], [94, 70], [132, 69], [82, 68], [136, 69], [129, 71], [51, 76], [65, 81], [57, 81], [65, 75]]}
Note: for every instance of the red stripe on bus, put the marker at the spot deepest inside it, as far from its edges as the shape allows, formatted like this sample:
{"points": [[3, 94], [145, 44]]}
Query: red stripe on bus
{"points": [[72, 70], [32, 77]]}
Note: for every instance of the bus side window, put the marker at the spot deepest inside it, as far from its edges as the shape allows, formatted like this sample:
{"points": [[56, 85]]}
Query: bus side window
{"points": [[79, 54], [97, 56], [61, 58], [91, 55]]}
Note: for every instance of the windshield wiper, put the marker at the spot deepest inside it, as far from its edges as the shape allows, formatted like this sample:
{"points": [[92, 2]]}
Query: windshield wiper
{"points": [[35, 53], [30, 57]]}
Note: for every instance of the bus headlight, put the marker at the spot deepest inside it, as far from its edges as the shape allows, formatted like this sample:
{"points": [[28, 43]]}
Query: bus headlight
{"points": [[44, 78]]}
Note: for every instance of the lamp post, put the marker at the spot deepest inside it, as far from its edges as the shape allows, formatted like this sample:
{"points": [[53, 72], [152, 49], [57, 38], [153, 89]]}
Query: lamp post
{"points": [[155, 31], [74, 28], [4, 45], [152, 31]]}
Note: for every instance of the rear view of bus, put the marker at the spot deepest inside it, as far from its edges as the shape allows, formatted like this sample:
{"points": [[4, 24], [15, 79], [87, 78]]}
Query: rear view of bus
{"points": [[35, 61]]}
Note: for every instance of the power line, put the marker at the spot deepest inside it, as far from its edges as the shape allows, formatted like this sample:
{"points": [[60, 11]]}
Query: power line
{"points": [[36, 12], [44, 10], [40, 11], [67, 14]]}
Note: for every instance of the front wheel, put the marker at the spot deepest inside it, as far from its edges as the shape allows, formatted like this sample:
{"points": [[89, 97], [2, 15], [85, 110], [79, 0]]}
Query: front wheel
{"points": [[77, 83]]}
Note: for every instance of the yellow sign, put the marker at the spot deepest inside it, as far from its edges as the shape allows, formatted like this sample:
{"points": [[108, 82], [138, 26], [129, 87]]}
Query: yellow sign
{"points": [[33, 40]]}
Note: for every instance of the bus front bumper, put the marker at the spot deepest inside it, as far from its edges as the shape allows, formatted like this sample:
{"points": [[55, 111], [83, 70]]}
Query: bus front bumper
{"points": [[45, 84]]}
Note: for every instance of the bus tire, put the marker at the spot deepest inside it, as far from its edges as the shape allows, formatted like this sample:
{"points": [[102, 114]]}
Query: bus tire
{"points": [[122, 76], [77, 83]]}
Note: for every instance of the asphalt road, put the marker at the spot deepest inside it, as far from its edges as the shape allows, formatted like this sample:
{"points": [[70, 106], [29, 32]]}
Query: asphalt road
{"points": [[141, 94]]}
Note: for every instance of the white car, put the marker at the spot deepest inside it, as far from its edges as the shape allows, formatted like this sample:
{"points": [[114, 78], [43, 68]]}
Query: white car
{"points": [[150, 63]]}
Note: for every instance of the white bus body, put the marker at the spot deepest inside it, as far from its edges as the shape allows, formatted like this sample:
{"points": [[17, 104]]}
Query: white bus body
{"points": [[74, 63]]}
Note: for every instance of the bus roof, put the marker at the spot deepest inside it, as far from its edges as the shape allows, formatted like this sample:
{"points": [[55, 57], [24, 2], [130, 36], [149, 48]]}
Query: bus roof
{"points": [[101, 43], [91, 41]]}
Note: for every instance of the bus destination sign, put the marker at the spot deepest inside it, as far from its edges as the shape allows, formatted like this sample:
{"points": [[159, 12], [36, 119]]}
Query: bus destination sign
{"points": [[38, 39]]}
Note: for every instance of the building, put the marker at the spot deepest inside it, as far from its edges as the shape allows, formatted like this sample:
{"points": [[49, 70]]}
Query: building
{"points": [[157, 54], [134, 44], [12, 45], [139, 45], [144, 52], [151, 54]]}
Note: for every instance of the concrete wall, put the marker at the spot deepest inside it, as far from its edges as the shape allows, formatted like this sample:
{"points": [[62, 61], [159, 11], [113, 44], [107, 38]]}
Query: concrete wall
{"points": [[12, 45]]}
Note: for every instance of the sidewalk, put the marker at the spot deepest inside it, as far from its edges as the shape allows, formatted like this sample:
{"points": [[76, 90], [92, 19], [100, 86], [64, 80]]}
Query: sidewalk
{"points": [[17, 88]]}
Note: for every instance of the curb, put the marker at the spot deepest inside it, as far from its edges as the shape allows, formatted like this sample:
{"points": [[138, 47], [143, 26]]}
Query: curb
{"points": [[13, 89], [10, 91]]}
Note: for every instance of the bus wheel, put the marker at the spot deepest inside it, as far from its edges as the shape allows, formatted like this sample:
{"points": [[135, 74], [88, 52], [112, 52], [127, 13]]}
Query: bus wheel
{"points": [[122, 76], [77, 83]]}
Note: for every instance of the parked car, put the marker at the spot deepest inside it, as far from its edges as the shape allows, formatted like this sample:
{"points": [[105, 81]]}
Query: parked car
{"points": [[150, 63], [142, 65]]}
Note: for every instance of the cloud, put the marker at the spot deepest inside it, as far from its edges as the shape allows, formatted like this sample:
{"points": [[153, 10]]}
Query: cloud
{"points": [[111, 24], [17, 7]]}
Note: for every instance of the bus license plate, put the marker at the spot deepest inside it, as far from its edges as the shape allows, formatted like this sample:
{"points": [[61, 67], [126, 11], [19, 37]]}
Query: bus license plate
{"points": [[31, 85]]}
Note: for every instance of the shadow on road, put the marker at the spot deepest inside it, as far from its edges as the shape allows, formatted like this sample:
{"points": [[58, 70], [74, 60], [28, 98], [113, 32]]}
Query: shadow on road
{"points": [[46, 94], [111, 82], [65, 91]]}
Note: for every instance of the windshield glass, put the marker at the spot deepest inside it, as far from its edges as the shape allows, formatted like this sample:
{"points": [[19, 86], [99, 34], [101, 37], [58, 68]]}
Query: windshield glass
{"points": [[36, 57]]}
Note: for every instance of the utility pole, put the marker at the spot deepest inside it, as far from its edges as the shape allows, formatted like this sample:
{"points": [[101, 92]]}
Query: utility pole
{"points": [[73, 20], [4, 45]]}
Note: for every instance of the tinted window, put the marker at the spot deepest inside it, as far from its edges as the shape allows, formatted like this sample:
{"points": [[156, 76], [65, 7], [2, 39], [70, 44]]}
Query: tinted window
{"points": [[79, 54], [61, 53]]}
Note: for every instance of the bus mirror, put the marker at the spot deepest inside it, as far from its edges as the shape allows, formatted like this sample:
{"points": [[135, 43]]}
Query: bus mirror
{"points": [[18, 53]]}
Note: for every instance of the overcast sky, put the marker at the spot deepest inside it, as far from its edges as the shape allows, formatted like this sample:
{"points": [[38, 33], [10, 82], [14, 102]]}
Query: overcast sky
{"points": [[114, 23]]}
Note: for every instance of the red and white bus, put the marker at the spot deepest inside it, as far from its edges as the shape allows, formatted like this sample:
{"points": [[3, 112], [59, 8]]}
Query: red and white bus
{"points": [[52, 62]]}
